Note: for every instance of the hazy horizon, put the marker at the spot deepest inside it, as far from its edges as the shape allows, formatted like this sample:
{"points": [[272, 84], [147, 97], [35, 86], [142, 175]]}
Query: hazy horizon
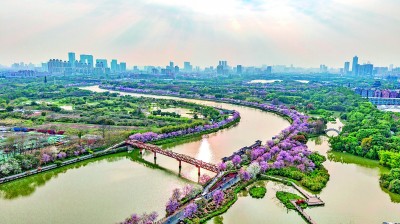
{"points": [[248, 32]]}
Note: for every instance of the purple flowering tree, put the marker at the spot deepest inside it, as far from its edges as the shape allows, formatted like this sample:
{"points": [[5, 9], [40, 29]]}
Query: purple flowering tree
{"points": [[171, 206], [236, 160], [244, 175], [221, 166], [187, 190], [46, 158], [263, 166], [204, 179], [190, 210], [176, 194], [218, 197]]}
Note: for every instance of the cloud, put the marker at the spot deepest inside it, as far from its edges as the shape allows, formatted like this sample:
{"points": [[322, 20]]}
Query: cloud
{"points": [[250, 32]]}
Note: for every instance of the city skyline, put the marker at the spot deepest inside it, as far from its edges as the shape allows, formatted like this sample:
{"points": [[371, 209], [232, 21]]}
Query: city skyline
{"points": [[248, 33], [92, 61]]}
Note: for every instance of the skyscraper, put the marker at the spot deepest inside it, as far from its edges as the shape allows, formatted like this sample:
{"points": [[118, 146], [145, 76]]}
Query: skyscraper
{"points": [[346, 67], [122, 66], [323, 68], [86, 58], [103, 62], [114, 65], [354, 68], [187, 66], [269, 70], [71, 59], [239, 69], [366, 69]]}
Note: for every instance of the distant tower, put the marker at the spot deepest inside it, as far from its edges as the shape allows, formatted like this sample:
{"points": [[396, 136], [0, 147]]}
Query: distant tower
{"points": [[239, 69], [354, 68], [71, 59], [269, 70], [346, 67], [114, 65], [187, 66]]}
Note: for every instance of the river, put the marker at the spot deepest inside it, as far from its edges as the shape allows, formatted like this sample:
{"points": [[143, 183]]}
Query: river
{"points": [[108, 189]]}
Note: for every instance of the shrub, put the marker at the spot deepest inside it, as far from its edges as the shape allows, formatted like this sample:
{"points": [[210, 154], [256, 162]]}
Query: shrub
{"points": [[394, 186], [317, 159], [257, 192], [391, 181]]}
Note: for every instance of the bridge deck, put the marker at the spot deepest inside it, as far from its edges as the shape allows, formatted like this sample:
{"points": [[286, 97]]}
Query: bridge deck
{"points": [[311, 200], [302, 212], [177, 156]]}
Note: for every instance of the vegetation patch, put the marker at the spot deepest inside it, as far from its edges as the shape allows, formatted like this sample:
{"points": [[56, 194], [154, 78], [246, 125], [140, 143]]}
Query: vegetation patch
{"points": [[391, 181], [286, 197], [314, 181], [257, 191]]}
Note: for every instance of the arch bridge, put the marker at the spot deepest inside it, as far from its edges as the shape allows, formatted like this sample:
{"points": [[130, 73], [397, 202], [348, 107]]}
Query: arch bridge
{"points": [[332, 129]]}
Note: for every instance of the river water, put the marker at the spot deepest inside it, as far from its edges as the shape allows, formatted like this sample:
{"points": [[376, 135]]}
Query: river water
{"points": [[108, 189]]}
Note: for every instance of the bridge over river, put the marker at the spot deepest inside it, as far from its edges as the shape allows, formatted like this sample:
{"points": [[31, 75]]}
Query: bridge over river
{"points": [[332, 129], [180, 157]]}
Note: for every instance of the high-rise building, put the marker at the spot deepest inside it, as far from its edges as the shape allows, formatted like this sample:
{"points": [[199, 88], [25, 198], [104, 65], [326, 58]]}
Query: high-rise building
{"points": [[86, 58], [114, 65], [346, 67], [122, 67], [103, 62], [71, 59], [323, 68], [187, 67], [366, 69], [171, 65], [220, 67], [239, 69], [355, 65], [269, 70]]}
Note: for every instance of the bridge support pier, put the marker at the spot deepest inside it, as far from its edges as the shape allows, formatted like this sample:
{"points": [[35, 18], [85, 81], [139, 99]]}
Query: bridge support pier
{"points": [[141, 152], [180, 166], [155, 158], [198, 171]]}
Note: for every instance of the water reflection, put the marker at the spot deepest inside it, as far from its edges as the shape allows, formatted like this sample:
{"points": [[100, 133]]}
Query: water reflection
{"points": [[27, 186], [205, 151]]}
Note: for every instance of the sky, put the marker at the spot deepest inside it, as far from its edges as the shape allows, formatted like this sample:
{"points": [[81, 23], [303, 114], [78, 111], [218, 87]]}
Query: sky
{"points": [[304, 33]]}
